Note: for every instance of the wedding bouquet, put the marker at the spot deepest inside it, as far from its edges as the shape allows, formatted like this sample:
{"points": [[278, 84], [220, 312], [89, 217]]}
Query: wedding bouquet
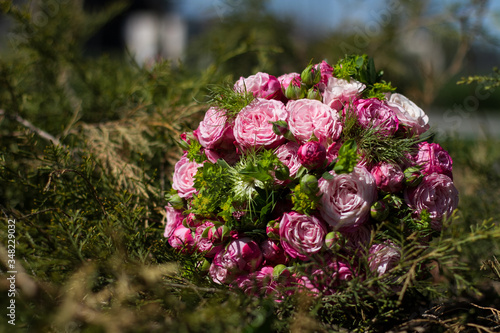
{"points": [[307, 180]]}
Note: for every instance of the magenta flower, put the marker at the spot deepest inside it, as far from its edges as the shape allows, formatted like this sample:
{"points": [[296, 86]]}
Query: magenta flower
{"points": [[312, 154], [389, 177], [261, 85], [374, 113]]}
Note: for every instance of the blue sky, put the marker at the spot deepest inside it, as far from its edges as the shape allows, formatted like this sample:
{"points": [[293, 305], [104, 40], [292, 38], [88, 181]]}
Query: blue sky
{"points": [[321, 14]]}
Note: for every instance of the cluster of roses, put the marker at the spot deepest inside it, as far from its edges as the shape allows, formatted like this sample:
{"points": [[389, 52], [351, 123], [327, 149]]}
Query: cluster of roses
{"points": [[313, 108]]}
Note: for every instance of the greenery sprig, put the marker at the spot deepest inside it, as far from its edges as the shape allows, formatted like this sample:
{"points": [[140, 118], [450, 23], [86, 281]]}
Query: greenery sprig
{"points": [[224, 97]]}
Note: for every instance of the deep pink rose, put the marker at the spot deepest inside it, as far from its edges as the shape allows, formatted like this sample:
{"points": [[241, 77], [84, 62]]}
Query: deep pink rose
{"points": [[301, 235], [258, 283], [253, 127], [375, 113], [433, 159], [325, 276], [241, 255], [436, 194], [312, 154], [346, 199], [214, 131], [260, 85], [332, 152], [308, 117], [182, 239], [340, 93], [287, 154], [389, 177], [183, 179], [174, 219], [204, 244], [273, 253], [409, 114], [383, 257], [326, 73]]}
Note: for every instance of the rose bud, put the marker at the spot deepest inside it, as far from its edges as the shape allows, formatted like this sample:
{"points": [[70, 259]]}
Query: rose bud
{"points": [[311, 75], [280, 270], [389, 177], [273, 229], [295, 91], [379, 211], [309, 184], [334, 241], [218, 235], [413, 176], [314, 93], [312, 154], [203, 265]]}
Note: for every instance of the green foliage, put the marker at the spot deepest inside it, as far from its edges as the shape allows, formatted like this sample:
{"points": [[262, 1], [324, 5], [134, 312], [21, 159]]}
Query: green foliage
{"points": [[488, 82], [224, 97], [362, 69]]}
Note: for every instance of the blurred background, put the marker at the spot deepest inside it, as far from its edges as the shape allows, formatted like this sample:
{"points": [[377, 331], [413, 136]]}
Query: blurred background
{"points": [[423, 46]]}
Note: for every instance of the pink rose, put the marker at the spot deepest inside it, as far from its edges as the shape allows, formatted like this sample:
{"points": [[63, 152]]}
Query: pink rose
{"points": [[375, 113], [311, 117], [174, 219], [214, 131], [301, 235], [183, 179], [241, 255], [204, 244], [312, 154], [287, 154], [383, 257], [253, 126], [389, 177], [436, 194], [273, 253], [182, 239], [332, 152], [358, 239], [258, 283], [433, 158], [325, 276], [409, 114], [339, 92], [260, 85], [287, 79], [346, 199], [326, 73]]}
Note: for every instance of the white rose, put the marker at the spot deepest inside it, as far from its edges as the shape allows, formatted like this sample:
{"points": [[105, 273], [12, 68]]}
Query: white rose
{"points": [[409, 113], [340, 92]]}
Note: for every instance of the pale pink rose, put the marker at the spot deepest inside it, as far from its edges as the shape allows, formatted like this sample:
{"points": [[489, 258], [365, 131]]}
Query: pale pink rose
{"points": [[433, 159], [174, 219], [273, 252], [182, 239], [311, 117], [214, 131], [384, 257], [241, 255], [301, 235], [183, 179], [340, 93], [312, 154], [287, 154], [409, 114], [253, 127], [346, 199], [261, 85], [389, 177], [204, 244], [374, 113], [436, 194]]}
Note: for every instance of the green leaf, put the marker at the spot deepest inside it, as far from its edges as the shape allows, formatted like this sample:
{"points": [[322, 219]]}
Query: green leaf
{"points": [[327, 175], [347, 158]]}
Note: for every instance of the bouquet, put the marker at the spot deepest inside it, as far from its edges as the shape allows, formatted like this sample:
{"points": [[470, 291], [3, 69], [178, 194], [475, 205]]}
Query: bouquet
{"points": [[307, 180]]}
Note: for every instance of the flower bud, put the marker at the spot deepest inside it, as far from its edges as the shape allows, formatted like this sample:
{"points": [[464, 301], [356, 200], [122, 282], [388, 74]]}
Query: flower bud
{"points": [[311, 75], [203, 265], [273, 229], [280, 270], [309, 184], [312, 154], [295, 91], [379, 211], [334, 241], [413, 176], [314, 93]]}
